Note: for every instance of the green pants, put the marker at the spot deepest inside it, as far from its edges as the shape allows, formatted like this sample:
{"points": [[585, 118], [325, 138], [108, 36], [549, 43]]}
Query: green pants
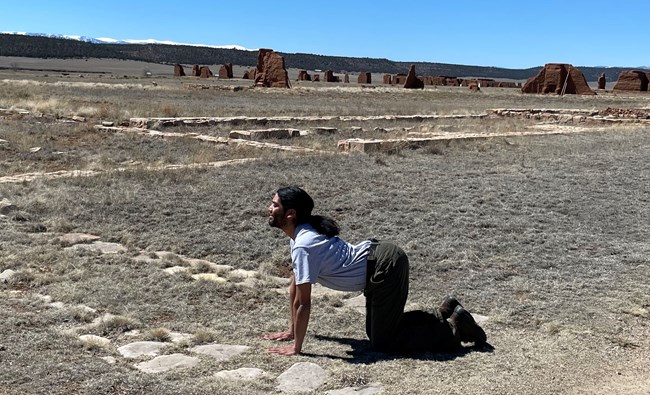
{"points": [[388, 327]]}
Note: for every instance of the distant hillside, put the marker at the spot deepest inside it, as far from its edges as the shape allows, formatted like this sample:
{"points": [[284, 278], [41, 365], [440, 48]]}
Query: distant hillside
{"points": [[46, 47]]}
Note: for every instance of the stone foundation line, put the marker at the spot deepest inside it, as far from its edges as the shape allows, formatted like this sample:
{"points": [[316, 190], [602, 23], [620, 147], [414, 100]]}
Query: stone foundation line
{"points": [[368, 146], [161, 122], [241, 137], [565, 116], [26, 177]]}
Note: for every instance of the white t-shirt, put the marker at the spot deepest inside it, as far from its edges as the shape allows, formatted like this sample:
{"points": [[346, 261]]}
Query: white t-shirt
{"points": [[331, 262]]}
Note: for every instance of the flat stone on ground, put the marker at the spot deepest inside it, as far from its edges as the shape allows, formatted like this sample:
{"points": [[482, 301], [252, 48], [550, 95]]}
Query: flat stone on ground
{"points": [[100, 246], [209, 277], [221, 352], [141, 349], [109, 360], [105, 317], [369, 389], [240, 374], [243, 273], [175, 269], [176, 337], [302, 377], [164, 363], [145, 258], [77, 238], [6, 207], [6, 275]]}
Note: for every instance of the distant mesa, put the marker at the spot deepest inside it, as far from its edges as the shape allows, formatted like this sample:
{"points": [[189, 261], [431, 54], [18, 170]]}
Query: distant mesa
{"points": [[559, 79], [196, 70], [602, 81], [346, 78], [271, 72], [632, 81]]}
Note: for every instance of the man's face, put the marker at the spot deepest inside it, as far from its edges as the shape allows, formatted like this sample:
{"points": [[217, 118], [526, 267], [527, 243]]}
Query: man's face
{"points": [[277, 218]]}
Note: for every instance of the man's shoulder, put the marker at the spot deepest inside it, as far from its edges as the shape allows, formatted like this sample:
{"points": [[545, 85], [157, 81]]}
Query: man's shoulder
{"points": [[307, 236]]}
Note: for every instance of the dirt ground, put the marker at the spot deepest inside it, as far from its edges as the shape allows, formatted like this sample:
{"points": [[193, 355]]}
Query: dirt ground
{"points": [[545, 236]]}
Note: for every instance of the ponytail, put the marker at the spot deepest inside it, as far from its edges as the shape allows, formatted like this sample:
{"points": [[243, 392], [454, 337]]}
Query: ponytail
{"points": [[324, 225]]}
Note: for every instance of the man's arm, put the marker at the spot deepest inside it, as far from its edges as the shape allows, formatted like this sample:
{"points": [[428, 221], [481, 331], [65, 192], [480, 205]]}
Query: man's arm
{"points": [[302, 312], [293, 305]]}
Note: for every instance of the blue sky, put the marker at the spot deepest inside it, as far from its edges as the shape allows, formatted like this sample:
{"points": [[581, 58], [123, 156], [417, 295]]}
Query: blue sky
{"points": [[499, 33]]}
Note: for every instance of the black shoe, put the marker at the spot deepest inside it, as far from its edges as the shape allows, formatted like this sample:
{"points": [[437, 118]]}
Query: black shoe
{"points": [[466, 328], [447, 306]]}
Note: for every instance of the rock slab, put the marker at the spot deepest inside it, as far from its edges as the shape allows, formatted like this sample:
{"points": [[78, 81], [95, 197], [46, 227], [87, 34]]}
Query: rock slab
{"points": [[164, 363], [302, 377], [369, 389], [221, 352], [141, 349], [241, 374]]}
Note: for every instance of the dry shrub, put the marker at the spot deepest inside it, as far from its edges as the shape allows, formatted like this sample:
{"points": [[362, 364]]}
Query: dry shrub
{"points": [[279, 264], [59, 224], [434, 149], [201, 267], [204, 336], [157, 334], [87, 111], [104, 112], [353, 378], [81, 314], [46, 106], [23, 279], [170, 260], [169, 110], [117, 324], [94, 345]]}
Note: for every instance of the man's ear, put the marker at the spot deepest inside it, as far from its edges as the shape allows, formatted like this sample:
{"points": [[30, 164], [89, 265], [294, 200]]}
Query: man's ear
{"points": [[290, 214]]}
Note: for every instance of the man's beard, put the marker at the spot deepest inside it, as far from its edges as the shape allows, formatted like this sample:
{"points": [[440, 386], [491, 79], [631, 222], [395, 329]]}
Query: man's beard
{"points": [[274, 222]]}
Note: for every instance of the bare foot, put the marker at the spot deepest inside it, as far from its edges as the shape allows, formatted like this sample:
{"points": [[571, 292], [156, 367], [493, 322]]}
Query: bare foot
{"points": [[279, 336]]}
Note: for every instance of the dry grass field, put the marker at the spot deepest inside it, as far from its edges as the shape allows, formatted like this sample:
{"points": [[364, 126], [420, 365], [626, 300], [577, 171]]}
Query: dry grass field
{"points": [[545, 235]]}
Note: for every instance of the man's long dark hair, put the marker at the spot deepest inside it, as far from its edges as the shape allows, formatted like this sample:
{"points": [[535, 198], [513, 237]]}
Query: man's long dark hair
{"points": [[296, 198]]}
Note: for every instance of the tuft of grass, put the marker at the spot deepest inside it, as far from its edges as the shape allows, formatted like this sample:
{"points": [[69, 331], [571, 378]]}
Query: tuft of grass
{"points": [[81, 314], [58, 224], [204, 336], [355, 378], [279, 264], [157, 334], [94, 345], [201, 267], [170, 110], [117, 325], [169, 260]]}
